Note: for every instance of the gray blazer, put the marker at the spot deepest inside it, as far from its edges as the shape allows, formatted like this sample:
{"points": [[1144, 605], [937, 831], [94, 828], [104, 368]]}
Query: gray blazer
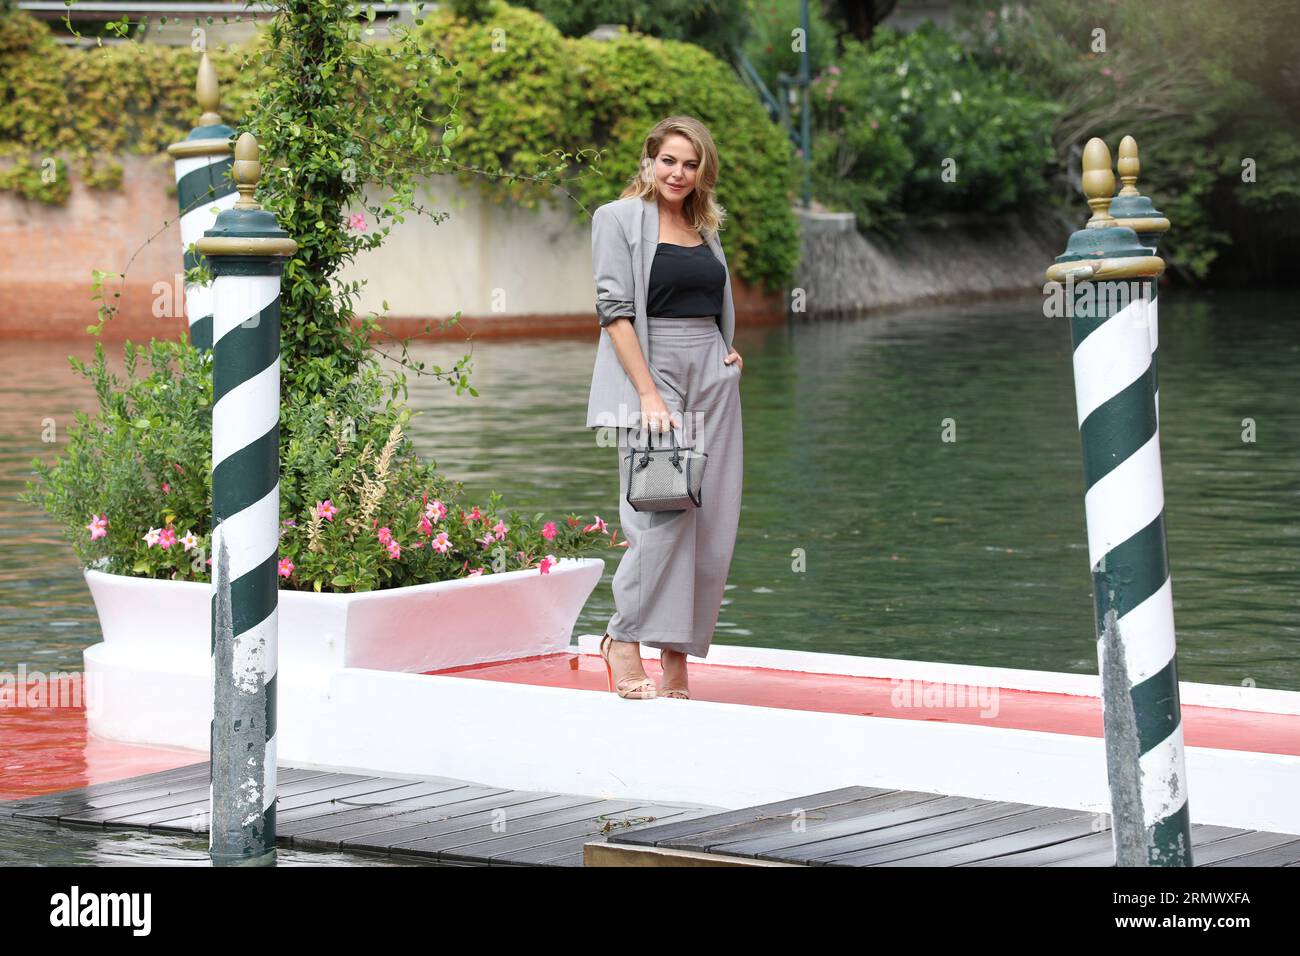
{"points": [[624, 237]]}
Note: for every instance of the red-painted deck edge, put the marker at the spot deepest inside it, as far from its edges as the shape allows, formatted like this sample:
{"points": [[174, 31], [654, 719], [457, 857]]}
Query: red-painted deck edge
{"points": [[1215, 727]]}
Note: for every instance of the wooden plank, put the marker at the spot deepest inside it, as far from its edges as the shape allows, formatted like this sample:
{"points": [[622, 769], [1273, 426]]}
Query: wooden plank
{"points": [[829, 846], [1080, 824], [673, 831], [778, 826], [167, 818], [423, 837], [1237, 848], [192, 797], [1097, 849], [178, 793], [367, 835], [470, 834], [592, 826], [923, 845], [552, 853], [49, 805], [332, 820], [862, 817], [1283, 855], [389, 796]]}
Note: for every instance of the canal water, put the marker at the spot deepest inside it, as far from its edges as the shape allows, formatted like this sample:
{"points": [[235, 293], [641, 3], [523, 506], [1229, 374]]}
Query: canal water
{"points": [[863, 531]]}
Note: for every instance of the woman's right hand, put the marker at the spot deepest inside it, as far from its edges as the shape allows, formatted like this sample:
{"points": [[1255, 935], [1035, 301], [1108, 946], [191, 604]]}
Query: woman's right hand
{"points": [[655, 414]]}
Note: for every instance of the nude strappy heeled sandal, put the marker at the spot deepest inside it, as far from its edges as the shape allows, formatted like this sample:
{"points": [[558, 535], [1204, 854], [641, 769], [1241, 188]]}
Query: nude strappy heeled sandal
{"points": [[643, 688], [679, 693]]}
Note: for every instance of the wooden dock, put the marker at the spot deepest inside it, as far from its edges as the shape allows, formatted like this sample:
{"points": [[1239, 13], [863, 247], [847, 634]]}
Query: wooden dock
{"points": [[466, 824], [449, 821], [862, 826]]}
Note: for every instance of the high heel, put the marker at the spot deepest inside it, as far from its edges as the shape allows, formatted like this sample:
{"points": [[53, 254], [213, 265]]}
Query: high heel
{"points": [[678, 693], [643, 689]]}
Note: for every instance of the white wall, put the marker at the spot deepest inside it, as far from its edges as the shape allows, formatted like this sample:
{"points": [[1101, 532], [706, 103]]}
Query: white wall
{"points": [[483, 259]]}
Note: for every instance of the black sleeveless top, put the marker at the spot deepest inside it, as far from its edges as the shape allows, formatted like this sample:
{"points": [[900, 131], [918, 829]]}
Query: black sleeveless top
{"points": [[685, 281]]}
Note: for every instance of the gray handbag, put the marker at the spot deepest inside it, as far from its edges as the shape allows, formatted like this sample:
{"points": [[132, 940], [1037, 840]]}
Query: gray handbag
{"points": [[664, 479]]}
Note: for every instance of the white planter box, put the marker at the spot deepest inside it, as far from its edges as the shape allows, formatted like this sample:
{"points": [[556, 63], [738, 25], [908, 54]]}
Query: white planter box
{"points": [[426, 627]]}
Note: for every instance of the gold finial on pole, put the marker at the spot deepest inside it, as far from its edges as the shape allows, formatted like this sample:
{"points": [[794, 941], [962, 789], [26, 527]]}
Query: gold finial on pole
{"points": [[1098, 183], [1128, 166], [209, 95], [247, 170]]}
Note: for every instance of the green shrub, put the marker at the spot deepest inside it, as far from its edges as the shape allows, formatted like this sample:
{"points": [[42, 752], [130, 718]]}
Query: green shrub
{"points": [[908, 126]]}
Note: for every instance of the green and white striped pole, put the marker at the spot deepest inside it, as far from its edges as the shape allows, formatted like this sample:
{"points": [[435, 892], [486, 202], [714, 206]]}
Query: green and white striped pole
{"points": [[247, 250], [203, 189], [1130, 208], [1107, 274]]}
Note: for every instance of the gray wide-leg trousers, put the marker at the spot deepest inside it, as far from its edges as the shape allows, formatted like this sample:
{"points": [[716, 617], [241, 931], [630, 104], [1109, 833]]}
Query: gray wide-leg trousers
{"points": [[669, 584]]}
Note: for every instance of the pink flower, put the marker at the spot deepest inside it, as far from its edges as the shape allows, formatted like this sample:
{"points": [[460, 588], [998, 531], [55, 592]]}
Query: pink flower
{"points": [[326, 509], [833, 70], [875, 125], [385, 536], [500, 529], [548, 530], [166, 538], [151, 537], [487, 540], [426, 527], [166, 488], [394, 549], [189, 540], [547, 563], [435, 510], [98, 526], [441, 542], [285, 567], [597, 525], [1105, 71], [474, 515], [475, 573], [357, 222]]}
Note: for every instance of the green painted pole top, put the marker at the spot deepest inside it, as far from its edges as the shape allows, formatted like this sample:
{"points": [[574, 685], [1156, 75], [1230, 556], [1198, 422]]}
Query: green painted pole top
{"points": [[1130, 208], [247, 229], [1104, 248]]}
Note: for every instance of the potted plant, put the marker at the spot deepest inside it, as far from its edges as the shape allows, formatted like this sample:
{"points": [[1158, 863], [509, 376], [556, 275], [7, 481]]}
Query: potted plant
{"points": [[372, 536]]}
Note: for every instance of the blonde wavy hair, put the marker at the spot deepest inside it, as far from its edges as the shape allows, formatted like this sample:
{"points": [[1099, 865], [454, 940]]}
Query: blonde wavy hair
{"points": [[700, 208]]}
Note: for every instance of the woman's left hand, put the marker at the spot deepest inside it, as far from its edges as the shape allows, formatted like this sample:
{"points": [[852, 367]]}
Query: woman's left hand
{"points": [[734, 357]]}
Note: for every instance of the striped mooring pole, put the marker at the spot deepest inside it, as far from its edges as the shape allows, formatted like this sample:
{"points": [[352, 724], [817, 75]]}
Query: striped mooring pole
{"points": [[203, 189], [1130, 208], [1107, 273], [247, 251]]}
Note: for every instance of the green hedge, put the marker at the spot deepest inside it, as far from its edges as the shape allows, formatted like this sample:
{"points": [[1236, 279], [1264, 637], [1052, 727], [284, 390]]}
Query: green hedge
{"points": [[534, 92]]}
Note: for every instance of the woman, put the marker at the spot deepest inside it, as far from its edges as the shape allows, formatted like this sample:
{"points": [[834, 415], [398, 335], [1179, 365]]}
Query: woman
{"points": [[663, 294]]}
